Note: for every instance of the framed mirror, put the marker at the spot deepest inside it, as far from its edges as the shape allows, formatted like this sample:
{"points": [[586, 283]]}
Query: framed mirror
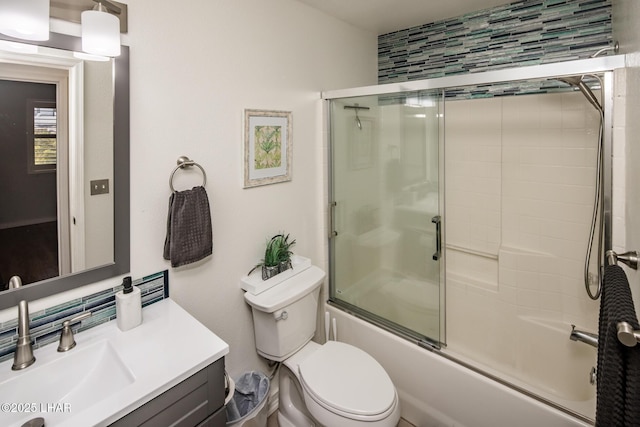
{"points": [[80, 108]]}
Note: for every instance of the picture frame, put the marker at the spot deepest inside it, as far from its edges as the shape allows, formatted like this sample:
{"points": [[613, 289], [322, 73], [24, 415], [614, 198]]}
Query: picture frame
{"points": [[267, 147]]}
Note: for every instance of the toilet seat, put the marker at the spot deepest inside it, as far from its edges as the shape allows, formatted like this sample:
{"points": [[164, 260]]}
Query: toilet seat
{"points": [[348, 382]]}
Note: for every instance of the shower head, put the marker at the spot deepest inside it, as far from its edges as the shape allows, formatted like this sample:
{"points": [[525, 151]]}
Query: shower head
{"points": [[579, 83], [356, 107], [571, 80]]}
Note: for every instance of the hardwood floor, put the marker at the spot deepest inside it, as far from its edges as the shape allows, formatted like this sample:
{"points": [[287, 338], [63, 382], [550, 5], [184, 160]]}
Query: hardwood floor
{"points": [[30, 252]]}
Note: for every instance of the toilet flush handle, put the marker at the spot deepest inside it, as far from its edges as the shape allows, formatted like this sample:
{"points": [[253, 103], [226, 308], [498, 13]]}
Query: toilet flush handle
{"points": [[283, 315]]}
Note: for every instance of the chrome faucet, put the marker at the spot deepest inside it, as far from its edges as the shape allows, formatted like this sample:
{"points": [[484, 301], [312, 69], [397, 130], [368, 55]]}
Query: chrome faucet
{"points": [[585, 337], [23, 356]]}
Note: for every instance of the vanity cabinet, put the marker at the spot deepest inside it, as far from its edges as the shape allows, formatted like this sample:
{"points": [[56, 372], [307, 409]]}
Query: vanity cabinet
{"points": [[196, 401]]}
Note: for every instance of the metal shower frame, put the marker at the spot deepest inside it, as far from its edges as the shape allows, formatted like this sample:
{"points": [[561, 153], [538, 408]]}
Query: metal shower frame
{"points": [[602, 65]]}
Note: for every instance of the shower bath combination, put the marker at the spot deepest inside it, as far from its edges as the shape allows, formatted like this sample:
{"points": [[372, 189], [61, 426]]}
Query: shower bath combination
{"points": [[514, 219]]}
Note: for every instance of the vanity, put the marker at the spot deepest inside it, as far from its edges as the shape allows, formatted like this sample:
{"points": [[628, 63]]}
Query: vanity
{"points": [[167, 371]]}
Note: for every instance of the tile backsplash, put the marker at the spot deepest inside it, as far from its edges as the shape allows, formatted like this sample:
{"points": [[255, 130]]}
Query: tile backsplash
{"points": [[525, 32], [45, 325]]}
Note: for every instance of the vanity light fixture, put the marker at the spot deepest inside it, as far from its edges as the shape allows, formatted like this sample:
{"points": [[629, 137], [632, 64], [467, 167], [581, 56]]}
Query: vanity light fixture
{"points": [[101, 29], [25, 19], [14, 47], [89, 57]]}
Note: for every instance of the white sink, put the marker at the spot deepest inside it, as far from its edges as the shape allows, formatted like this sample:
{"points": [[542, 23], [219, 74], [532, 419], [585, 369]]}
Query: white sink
{"points": [[63, 382], [109, 373]]}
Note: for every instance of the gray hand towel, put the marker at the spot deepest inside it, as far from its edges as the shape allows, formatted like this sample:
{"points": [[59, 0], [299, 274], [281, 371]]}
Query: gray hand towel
{"points": [[189, 232]]}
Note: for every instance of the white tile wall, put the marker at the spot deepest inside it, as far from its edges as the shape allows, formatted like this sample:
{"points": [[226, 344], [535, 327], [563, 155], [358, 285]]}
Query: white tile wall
{"points": [[619, 162], [473, 157], [533, 215], [631, 81]]}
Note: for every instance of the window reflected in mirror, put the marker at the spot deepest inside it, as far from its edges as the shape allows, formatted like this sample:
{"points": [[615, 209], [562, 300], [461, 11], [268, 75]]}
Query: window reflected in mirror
{"points": [[42, 130]]}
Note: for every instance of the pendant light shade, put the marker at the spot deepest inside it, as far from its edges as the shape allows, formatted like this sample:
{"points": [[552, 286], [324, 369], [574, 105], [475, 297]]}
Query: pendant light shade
{"points": [[25, 19], [100, 33]]}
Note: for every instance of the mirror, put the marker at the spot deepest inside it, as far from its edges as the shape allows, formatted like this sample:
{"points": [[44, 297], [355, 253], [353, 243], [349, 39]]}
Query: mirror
{"points": [[88, 123]]}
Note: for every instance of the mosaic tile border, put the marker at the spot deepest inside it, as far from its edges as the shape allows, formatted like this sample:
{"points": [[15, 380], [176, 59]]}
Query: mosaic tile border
{"points": [[46, 324], [523, 87], [525, 32]]}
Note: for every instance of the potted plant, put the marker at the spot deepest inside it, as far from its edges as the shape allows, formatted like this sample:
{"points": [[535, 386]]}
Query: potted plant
{"points": [[271, 261], [284, 255], [277, 256]]}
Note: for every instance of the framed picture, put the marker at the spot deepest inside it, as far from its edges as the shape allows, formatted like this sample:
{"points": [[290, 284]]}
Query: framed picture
{"points": [[267, 147]]}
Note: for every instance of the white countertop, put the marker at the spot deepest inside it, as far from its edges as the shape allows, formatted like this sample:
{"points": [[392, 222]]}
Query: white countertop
{"points": [[167, 348]]}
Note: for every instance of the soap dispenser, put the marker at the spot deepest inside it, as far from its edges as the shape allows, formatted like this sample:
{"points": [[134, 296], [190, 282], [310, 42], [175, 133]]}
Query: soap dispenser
{"points": [[128, 306]]}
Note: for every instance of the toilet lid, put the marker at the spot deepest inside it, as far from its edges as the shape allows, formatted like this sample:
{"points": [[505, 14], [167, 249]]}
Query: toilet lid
{"points": [[347, 379]]}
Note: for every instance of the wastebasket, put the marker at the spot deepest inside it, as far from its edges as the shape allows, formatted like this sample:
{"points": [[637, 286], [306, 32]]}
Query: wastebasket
{"points": [[248, 407]]}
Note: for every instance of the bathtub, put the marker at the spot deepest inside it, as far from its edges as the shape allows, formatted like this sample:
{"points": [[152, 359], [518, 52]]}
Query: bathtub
{"points": [[540, 358], [438, 392], [416, 303], [530, 351]]}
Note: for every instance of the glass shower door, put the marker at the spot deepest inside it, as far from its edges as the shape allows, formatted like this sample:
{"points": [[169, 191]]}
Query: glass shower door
{"points": [[386, 244]]}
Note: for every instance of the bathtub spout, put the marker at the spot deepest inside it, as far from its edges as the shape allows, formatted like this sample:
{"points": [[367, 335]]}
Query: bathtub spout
{"points": [[585, 337]]}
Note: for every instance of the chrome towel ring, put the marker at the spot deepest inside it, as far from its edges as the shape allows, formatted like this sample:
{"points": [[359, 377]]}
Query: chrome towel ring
{"points": [[185, 162]]}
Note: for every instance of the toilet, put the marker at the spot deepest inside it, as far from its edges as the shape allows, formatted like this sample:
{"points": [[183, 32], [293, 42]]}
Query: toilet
{"points": [[333, 384]]}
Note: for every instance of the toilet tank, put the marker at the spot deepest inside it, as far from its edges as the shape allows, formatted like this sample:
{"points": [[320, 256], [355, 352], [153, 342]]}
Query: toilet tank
{"points": [[284, 316]]}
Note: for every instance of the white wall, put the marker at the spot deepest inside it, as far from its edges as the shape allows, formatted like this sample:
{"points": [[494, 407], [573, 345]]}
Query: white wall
{"points": [[194, 69], [626, 14], [98, 161]]}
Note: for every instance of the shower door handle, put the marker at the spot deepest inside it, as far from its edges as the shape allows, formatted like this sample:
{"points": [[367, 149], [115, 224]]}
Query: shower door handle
{"points": [[436, 220], [332, 212]]}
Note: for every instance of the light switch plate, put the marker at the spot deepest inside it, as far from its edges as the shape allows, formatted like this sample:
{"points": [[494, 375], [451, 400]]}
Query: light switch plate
{"points": [[99, 186]]}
